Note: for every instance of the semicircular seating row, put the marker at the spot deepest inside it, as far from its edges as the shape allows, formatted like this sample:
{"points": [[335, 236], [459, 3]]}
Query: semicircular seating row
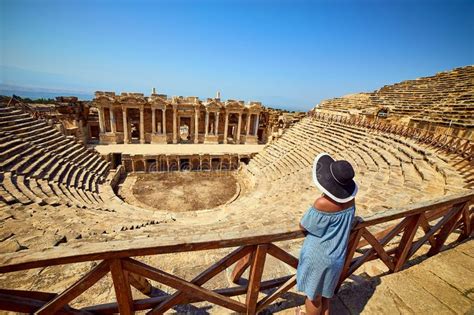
{"points": [[445, 98], [391, 170], [40, 165], [54, 189]]}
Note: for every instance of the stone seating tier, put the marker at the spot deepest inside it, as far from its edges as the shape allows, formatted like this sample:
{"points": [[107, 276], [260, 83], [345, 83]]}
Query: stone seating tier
{"points": [[39, 165], [443, 99]]}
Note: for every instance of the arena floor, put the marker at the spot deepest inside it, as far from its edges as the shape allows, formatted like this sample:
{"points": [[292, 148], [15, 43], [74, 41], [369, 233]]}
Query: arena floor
{"points": [[180, 191]]}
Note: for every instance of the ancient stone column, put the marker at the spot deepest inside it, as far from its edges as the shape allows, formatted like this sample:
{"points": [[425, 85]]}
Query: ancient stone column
{"points": [[226, 126], [163, 121], [196, 126], [256, 124], [153, 121], [175, 133], [239, 125], [113, 129], [247, 128], [101, 120], [216, 128], [142, 125], [206, 123], [126, 136]]}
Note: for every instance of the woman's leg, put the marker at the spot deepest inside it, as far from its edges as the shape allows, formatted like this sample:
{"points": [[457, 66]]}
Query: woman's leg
{"points": [[325, 306], [313, 307]]}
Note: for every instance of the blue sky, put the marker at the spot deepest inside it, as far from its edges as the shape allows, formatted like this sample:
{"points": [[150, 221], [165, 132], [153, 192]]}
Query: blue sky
{"points": [[290, 54]]}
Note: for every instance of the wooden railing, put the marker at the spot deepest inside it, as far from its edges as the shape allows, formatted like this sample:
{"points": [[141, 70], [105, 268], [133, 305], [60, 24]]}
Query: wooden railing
{"points": [[449, 143], [390, 236]]}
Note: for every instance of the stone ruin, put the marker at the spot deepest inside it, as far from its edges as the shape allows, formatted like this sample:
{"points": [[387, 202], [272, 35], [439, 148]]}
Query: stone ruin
{"points": [[55, 192]]}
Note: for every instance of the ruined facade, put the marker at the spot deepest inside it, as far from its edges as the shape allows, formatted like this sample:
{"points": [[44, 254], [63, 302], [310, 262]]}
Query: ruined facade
{"points": [[134, 118]]}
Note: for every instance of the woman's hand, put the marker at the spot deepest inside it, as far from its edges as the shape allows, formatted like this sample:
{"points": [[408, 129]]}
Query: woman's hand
{"points": [[356, 221]]}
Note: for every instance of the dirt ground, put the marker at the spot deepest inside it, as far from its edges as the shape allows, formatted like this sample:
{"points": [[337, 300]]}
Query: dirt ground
{"points": [[184, 191]]}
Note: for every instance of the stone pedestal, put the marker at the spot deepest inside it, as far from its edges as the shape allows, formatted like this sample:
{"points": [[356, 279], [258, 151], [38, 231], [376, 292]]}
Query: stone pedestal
{"points": [[110, 138], [211, 139], [251, 139], [158, 138]]}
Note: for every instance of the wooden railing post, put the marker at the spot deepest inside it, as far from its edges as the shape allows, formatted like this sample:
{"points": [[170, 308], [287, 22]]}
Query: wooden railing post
{"points": [[406, 242], [354, 238], [447, 228], [255, 276], [123, 292]]}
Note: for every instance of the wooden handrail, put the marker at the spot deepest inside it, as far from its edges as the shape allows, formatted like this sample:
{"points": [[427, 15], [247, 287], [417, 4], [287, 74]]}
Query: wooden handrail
{"points": [[253, 247], [82, 252]]}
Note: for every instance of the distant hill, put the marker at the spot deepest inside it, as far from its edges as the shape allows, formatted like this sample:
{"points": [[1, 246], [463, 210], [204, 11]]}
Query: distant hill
{"points": [[35, 93]]}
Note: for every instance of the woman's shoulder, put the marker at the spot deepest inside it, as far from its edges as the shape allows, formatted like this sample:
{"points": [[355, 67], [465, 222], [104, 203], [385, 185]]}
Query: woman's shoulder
{"points": [[326, 204]]}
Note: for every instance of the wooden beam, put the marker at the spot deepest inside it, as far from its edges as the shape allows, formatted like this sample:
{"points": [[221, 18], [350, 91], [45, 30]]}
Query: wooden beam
{"points": [[378, 248], [369, 255], [399, 213], [282, 255], [406, 241], [255, 276], [144, 304], [467, 229], [123, 292], [351, 247], [140, 283], [75, 290], [36, 295], [240, 267], [446, 230], [272, 297], [182, 285], [152, 246], [426, 228], [203, 277], [120, 249], [429, 234]]}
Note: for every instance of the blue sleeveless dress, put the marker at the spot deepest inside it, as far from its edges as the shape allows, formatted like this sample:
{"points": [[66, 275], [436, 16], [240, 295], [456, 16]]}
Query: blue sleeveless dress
{"points": [[324, 250]]}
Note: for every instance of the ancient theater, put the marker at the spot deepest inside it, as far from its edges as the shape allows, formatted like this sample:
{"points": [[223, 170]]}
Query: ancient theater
{"points": [[133, 202]]}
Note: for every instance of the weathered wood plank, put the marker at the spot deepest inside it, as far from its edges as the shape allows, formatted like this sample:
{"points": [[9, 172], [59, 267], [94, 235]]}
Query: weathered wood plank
{"points": [[120, 249], [123, 292], [378, 248], [406, 242], [427, 227], [180, 284], [280, 254], [140, 283], [429, 234], [351, 248], [75, 290], [241, 266], [36, 295], [203, 277], [141, 247], [144, 304], [255, 276], [446, 230], [27, 305], [370, 254], [272, 297], [397, 213]]}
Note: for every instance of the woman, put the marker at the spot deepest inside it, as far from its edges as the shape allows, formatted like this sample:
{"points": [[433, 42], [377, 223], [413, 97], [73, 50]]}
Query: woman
{"points": [[327, 223]]}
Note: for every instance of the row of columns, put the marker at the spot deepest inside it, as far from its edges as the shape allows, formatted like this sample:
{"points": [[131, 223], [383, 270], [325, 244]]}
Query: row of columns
{"points": [[126, 134]]}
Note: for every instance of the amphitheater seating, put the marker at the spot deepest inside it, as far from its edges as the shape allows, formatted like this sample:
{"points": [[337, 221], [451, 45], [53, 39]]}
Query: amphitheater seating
{"points": [[39, 165], [407, 167], [444, 99]]}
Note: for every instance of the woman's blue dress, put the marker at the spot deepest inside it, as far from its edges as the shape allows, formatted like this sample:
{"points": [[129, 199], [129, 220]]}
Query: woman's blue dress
{"points": [[324, 251]]}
